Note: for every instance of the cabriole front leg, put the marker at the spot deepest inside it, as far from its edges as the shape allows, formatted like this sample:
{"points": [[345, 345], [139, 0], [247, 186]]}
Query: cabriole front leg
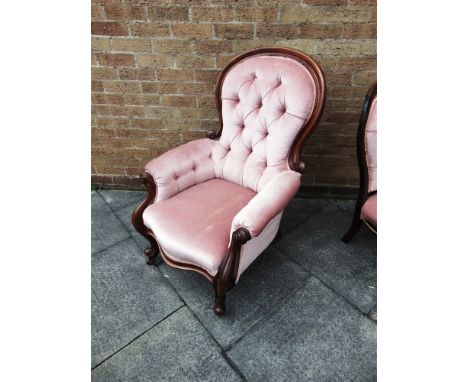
{"points": [[225, 279], [152, 251]]}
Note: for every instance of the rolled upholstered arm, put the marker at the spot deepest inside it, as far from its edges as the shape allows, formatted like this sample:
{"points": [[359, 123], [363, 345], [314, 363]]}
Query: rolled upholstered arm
{"points": [[269, 202], [181, 167]]}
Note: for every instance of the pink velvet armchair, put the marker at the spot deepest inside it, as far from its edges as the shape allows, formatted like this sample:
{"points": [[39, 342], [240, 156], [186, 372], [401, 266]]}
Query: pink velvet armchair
{"points": [[366, 204], [215, 204]]}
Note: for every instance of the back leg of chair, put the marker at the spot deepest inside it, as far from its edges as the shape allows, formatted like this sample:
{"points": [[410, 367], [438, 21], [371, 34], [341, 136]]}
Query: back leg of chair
{"points": [[355, 225]]}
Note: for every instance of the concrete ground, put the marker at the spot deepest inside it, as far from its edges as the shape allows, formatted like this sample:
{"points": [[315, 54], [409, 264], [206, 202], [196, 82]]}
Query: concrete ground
{"points": [[305, 310]]}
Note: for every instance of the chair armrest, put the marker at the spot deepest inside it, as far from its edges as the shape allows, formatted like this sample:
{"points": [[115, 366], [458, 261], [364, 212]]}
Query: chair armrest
{"points": [[181, 167], [268, 203]]}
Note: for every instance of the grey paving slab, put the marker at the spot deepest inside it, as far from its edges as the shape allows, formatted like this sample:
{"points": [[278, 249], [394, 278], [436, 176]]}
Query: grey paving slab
{"points": [[345, 205], [118, 199], [298, 211], [265, 284], [128, 297], [373, 313], [315, 336], [349, 269], [106, 229], [177, 349]]}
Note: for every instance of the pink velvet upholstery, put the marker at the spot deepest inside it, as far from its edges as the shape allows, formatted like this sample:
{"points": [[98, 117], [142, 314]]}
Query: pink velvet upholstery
{"points": [[265, 102], [207, 189], [181, 168], [369, 210], [193, 226], [371, 146], [268, 203]]}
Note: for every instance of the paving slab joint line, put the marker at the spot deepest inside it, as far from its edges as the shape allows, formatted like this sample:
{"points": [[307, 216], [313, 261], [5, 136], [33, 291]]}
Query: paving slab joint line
{"points": [[222, 351], [138, 336], [226, 358], [329, 287], [270, 313], [111, 246]]}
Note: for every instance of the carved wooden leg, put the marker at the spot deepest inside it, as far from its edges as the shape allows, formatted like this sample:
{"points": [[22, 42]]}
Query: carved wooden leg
{"points": [[151, 252], [220, 301], [226, 277]]}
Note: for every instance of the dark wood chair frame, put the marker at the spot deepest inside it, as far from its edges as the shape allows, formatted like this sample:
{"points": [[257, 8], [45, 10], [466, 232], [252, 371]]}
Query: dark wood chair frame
{"points": [[363, 194], [225, 279]]}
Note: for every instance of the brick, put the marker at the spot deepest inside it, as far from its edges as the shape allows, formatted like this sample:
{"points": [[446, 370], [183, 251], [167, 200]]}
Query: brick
{"points": [[107, 99], [97, 86], [137, 74], [103, 73], [207, 75], [150, 29], [147, 123], [192, 30], [143, 99], [324, 31], [359, 31], [94, 61], [171, 46], [365, 78], [153, 60], [342, 47], [163, 113], [241, 46], [122, 86], [100, 110], [159, 87], [171, 13], [124, 12], [131, 45], [207, 101], [100, 44], [107, 59], [357, 63], [277, 30], [222, 60], [212, 47], [342, 117], [192, 61], [105, 28], [213, 14], [175, 75], [127, 111], [325, 2], [96, 12], [331, 14], [196, 88], [234, 31], [113, 122], [255, 14], [179, 101]]}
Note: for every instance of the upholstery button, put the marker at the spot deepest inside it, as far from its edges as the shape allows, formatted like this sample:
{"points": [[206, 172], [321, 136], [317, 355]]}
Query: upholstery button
{"points": [[175, 177], [194, 168]]}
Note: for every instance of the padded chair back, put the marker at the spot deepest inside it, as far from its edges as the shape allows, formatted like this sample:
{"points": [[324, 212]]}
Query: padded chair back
{"points": [[269, 101], [371, 146]]}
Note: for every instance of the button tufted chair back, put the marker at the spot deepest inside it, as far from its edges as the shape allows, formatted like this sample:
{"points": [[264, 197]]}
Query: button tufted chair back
{"points": [[371, 146], [269, 101]]}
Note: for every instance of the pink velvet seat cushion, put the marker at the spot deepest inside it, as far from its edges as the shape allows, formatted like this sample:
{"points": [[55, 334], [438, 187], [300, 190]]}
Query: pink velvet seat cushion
{"points": [[194, 225], [369, 210]]}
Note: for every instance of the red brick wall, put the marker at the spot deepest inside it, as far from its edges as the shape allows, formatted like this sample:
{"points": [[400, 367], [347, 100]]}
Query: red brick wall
{"points": [[155, 64]]}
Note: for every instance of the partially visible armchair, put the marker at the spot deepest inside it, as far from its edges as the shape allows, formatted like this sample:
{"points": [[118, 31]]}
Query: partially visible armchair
{"points": [[215, 204], [366, 204]]}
